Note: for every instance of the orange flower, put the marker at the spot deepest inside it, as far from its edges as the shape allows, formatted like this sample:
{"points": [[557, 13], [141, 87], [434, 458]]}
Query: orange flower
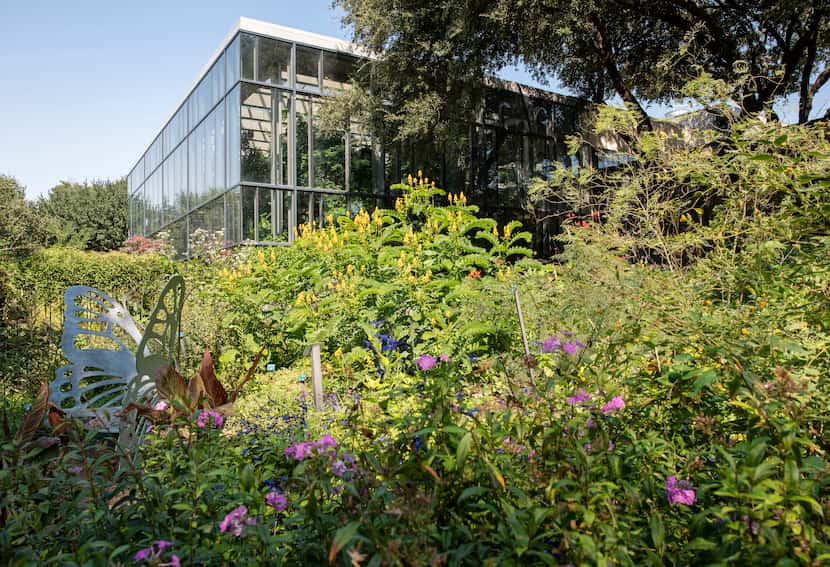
{"points": [[474, 274]]}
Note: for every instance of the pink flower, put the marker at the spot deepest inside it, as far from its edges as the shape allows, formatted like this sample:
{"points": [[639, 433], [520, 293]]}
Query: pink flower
{"points": [[425, 362], [161, 406], [174, 562], [143, 554], [325, 442], [578, 397], [551, 344], [235, 521], [615, 404], [276, 501], [299, 451], [443, 357], [205, 415], [679, 492], [154, 552]]}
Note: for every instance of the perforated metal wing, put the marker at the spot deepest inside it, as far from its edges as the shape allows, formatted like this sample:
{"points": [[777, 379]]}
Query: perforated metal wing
{"points": [[99, 338], [159, 347]]}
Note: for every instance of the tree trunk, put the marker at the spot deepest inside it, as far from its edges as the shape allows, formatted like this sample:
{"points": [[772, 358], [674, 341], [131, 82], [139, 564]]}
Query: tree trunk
{"points": [[603, 44]]}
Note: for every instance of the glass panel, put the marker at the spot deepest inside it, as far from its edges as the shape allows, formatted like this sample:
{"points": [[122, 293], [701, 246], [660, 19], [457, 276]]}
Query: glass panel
{"points": [[232, 64], [155, 197], [207, 226], [233, 217], [154, 155], [256, 136], [175, 131], [273, 61], [233, 150], [177, 232], [248, 214], [217, 82], [308, 67], [329, 157], [175, 182], [283, 125], [337, 69], [282, 215], [305, 208], [216, 150], [360, 162], [247, 45], [265, 216], [333, 206], [303, 118]]}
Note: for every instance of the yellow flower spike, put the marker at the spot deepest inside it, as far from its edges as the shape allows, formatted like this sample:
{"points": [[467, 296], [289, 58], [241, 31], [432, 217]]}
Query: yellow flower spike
{"points": [[409, 179], [420, 174], [338, 353], [433, 184], [426, 180], [507, 231], [330, 219], [350, 269]]}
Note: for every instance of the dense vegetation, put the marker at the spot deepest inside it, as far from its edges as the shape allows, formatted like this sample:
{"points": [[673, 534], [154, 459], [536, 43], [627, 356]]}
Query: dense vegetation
{"points": [[672, 410]]}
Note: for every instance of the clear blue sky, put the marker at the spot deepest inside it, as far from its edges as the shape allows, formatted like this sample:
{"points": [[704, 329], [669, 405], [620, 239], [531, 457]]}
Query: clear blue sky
{"points": [[87, 83]]}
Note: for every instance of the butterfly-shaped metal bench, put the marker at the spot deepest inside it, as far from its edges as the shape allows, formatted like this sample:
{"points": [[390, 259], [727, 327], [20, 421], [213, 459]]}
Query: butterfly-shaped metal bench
{"points": [[111, 362]]}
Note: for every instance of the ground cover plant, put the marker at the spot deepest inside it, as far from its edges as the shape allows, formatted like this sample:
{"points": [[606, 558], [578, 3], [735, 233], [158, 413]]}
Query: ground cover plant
{"points": [[673, 408]]}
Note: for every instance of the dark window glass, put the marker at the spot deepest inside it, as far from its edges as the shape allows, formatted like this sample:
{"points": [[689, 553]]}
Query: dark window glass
{"points": [[248, 213], [303, 117], [273, 61], [337, 69], [265, 215], [360, 162], [256, 135], [246, 47], [283, 124], [233, 217], [308, 67], [329, 156]]}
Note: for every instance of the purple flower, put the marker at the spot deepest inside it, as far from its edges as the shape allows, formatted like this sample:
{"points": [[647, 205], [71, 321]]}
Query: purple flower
{"points": [[444, 357], [572, 348], [425, 362], [551, 344], [615, 404], [154, 552], [338, 468], [578, 397], [235, 521], [611, 446], [325, 442], [679, 492], [276, 501], [162, 544], [299, 451], [143, 554], [174, 562]]}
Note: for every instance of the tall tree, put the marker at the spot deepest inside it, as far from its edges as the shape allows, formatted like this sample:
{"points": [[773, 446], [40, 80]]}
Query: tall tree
{"points": [[90, 215], [433, 54], [21, 228]]}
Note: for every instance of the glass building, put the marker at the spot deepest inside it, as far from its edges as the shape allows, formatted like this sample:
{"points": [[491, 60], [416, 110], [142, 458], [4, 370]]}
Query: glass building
{"points": [[243, 153]]}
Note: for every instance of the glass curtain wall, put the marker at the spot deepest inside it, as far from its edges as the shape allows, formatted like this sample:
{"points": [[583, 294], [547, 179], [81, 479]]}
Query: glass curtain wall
{"points": [[246, 159]]}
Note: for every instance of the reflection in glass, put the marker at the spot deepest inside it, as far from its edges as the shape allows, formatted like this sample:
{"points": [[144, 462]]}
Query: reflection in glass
{"points": [[337, 69], [256, 135], [308, 67], [283, 125], [247, 45], [233, 217], [303, 118], [273, 61], [207, 223], [248, 213], [360, 161], [233, 150], [232, 64], [329, 155], [265, 215], [178, 237]]}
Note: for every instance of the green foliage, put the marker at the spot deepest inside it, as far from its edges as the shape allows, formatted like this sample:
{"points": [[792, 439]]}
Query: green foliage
{"points": [[678, 412], [92, 216], [21, 229]]}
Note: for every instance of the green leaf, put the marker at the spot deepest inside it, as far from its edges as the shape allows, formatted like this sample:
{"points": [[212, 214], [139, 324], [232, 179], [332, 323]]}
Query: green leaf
{"points": [[658, 532], [342, 537], [471, 492], [463, 450]]}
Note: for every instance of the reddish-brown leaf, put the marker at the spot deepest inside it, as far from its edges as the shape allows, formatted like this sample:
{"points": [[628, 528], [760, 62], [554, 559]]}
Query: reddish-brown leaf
{"points": [[215, 391], [57, 419], [34, 417], [196, 391], [154, 415], [248, 374], [170, 384]]}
